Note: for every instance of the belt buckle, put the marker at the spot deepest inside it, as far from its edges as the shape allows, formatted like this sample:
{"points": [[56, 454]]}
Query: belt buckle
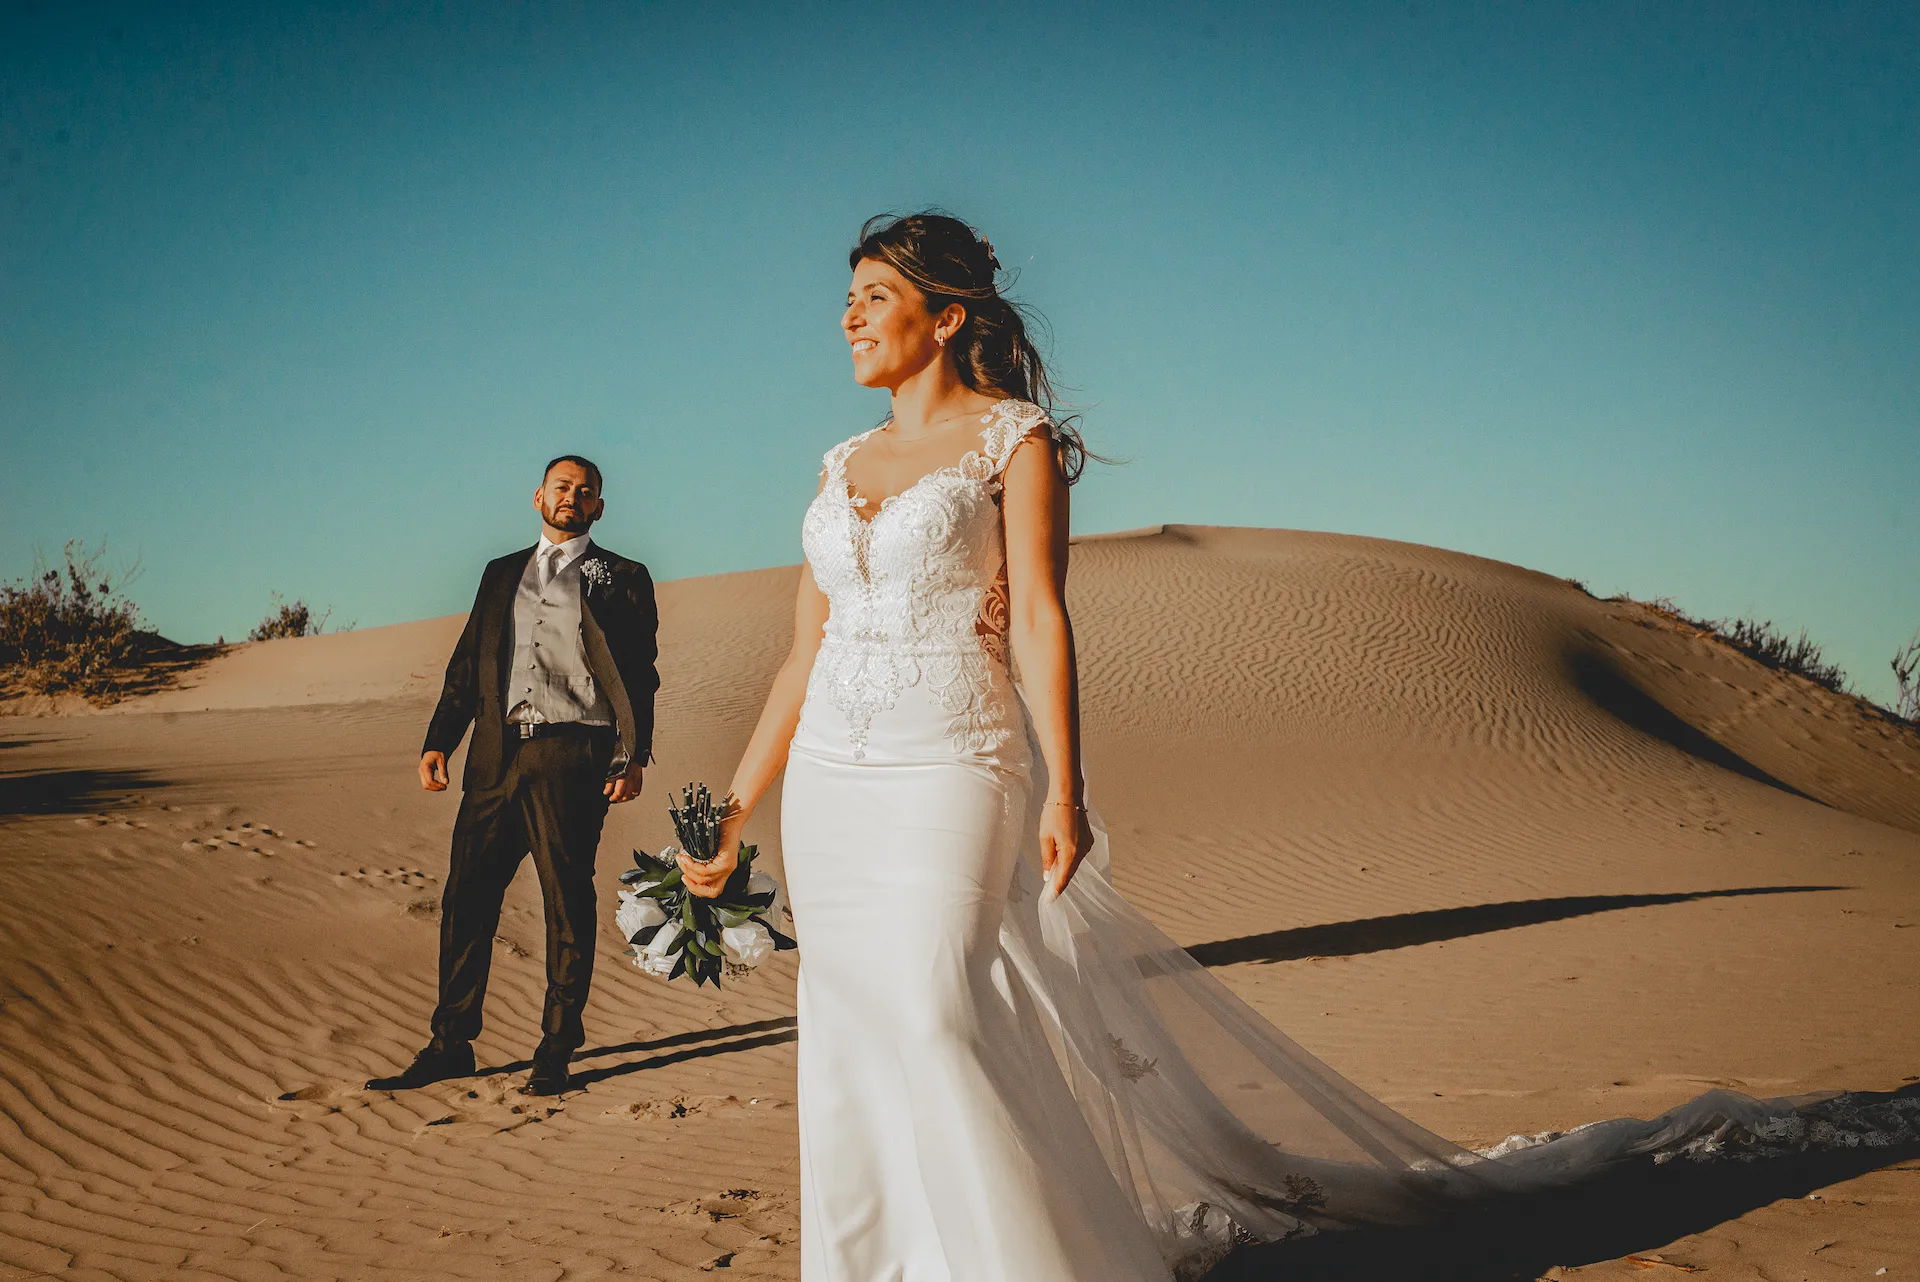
{"points": [[526, 729]]}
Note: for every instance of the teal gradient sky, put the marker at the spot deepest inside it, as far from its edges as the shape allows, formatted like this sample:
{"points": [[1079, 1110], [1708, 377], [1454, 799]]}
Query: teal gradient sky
{"points": [[300, 297]]}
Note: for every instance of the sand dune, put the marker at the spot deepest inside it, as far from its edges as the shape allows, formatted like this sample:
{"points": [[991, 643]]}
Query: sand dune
{"points": [[1510, 857]]}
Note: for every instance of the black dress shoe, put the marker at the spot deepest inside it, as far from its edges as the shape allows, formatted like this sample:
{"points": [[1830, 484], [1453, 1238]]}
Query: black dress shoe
{"points": [[550, 1075], [434, 1064]]}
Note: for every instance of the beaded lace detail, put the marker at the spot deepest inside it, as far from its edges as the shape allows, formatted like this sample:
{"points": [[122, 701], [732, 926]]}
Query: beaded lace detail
{"points": [[916, 589]]}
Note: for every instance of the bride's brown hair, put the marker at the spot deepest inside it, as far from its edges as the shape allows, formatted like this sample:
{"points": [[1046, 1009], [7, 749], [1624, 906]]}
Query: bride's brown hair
{"points": [[951, 263]]}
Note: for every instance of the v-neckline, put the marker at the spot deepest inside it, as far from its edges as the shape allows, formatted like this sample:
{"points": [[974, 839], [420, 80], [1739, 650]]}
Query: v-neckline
{"points": [[856, 502]]}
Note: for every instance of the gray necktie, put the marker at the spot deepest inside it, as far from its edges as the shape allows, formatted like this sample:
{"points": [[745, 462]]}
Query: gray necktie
{"points": [[550, 565]]}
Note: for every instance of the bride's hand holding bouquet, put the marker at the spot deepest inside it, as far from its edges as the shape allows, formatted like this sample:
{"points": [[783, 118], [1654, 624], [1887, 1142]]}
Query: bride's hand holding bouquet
{"points": [[706, 911], [707, 878]]}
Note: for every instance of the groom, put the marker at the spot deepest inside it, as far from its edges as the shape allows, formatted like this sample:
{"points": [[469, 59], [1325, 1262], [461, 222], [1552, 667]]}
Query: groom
{"points": [[555, 673]]}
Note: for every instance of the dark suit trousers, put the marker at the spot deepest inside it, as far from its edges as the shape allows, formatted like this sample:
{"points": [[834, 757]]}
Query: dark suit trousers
{"points": [[549, 802]]}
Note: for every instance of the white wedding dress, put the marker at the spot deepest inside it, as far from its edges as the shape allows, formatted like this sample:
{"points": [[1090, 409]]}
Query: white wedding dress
{"points": [[994, 1088]]}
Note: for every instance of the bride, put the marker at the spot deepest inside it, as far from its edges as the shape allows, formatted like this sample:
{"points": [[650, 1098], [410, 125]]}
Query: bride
{"points": [[1005, 1071]]}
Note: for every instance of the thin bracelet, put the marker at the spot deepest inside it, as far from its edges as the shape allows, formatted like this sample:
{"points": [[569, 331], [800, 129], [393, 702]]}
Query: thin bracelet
{"points": [[1072, 805]]}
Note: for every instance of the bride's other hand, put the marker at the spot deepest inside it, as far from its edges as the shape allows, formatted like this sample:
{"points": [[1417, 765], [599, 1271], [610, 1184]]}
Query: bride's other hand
{"points": [[1034, 510], [1065, 839]]}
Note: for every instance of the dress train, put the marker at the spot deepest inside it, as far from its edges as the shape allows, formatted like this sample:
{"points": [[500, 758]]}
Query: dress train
{"points": [[1226, 1131]]}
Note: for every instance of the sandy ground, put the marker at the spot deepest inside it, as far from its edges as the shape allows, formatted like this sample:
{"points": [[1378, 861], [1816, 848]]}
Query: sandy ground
{"points": [[1510, 857]]}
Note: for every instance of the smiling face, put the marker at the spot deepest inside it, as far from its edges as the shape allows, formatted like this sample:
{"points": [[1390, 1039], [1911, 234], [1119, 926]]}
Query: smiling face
{"points": [[887, 323], [568, 500]]}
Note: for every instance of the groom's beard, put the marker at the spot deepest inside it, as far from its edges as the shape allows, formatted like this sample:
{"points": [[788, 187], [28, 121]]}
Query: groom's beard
{"points": [[568, 519]]}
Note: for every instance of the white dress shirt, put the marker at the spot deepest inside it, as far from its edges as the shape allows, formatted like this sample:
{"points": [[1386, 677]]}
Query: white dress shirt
{"points": [[570, 551]]}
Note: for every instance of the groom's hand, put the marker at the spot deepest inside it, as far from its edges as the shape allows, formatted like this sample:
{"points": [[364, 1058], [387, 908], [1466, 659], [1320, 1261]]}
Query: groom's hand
{"points": [[433, 771], [624, 787]]}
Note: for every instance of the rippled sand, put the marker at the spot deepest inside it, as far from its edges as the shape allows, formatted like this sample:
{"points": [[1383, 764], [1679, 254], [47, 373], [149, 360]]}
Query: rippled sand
{"points": [[1510, 857]]}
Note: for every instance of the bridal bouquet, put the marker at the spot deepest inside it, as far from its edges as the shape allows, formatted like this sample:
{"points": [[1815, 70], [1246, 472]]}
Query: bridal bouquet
{"points": [[675, 932]]}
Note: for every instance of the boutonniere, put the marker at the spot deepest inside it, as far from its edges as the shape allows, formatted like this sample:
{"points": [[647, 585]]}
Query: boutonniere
{"points": [[596, 572]]}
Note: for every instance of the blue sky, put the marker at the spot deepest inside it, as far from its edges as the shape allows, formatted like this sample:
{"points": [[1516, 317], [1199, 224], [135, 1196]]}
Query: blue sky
{"points": [[300, 297]]}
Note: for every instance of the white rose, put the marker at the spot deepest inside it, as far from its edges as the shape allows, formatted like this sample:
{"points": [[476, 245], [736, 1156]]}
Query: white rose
{"points": [[653, 958], [658, 945], [637, 913], [749, 944], [759, 884]]}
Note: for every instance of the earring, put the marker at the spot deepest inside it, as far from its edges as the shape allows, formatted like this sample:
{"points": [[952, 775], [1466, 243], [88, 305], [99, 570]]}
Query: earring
{"points": [[940, 340]]}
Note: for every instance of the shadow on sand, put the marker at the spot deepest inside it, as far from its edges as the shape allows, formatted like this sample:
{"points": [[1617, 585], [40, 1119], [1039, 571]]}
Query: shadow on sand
{"points": [[1639, 1208], [1600, 680], [675, 1048], [159, 664], [153, 664], [69, 792], [1403, 930]]}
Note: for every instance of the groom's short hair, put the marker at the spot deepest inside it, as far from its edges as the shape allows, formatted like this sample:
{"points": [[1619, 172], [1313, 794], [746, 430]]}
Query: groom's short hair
{"points": [[586, 464]]}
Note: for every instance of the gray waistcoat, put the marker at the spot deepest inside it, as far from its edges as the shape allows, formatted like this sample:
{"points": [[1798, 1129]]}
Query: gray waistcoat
{"points": [[550, 673]]}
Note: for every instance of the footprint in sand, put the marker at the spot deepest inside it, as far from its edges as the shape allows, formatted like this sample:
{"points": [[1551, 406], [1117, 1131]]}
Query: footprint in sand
{"points": [[398, 875], [679, 1106], [250, 838], [715, 1207], [493, 1102], [108, 821]]}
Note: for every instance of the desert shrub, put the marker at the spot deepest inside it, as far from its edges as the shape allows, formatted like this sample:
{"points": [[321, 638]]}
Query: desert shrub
{"points": [[1765, 643], [290, 619], [1776, 649], [70, 628], [1906, 676]]}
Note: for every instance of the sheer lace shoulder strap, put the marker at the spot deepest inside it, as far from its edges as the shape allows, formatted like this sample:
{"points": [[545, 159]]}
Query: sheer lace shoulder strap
{"points": [[1013, 422], [834, 461]]}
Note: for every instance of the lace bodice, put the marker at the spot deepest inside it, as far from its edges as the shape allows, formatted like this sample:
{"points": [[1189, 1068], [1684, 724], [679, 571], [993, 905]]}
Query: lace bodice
{"points": [[917, 590]]}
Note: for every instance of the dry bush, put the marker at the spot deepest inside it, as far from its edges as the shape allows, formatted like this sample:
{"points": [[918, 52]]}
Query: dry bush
{"points": [[70, 628], [1906, 676], [1764, 643], [1776, 649], [290, 619]]}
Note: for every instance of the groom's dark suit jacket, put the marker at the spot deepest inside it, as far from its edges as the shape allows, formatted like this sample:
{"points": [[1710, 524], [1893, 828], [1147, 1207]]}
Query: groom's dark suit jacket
{"points": [[618, 623]]}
